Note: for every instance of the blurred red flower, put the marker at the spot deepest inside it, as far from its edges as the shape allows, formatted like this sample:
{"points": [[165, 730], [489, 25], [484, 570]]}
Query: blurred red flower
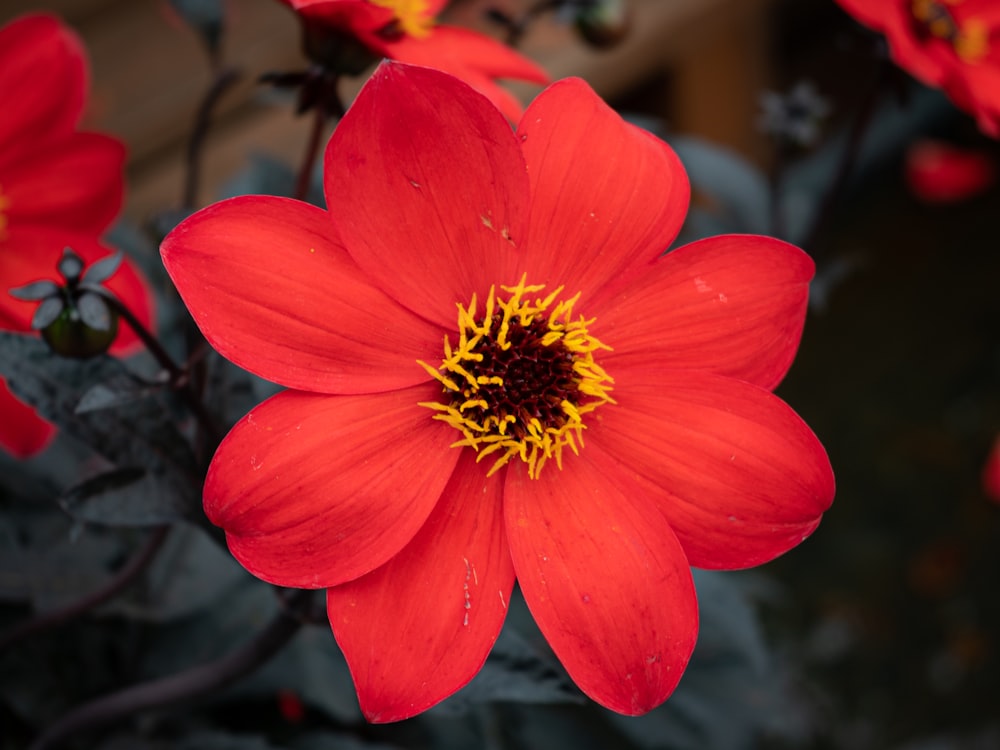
{"points": [[623, 411], [938, 172], [406, 30], [991, 473], [953, 45], [58, 187]]}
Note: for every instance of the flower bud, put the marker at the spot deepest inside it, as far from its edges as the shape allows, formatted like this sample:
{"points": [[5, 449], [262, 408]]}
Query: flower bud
{"points": [[603, 23]]}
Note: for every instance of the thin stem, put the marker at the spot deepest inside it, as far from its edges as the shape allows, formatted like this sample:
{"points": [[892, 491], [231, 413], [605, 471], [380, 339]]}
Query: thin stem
{"points": [[178, 376], [312, 152], [112, 588], [183, 686], [223, 80], [848, 159]]}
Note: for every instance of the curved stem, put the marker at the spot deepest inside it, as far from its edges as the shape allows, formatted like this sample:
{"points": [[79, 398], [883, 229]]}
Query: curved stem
{"points": [[178, 376], [848, 159], [112, 588], [312, 151], [186, 685], [224, 79]]}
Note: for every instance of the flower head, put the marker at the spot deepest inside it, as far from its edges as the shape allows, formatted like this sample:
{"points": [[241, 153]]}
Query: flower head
{"points": [[951, 44], [59, 187], [494, 373], [407, 30]]}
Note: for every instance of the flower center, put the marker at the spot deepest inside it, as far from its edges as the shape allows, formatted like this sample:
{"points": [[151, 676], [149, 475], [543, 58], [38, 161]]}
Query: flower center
{"points": [[412, 16], [936, 18], [521, 378]]}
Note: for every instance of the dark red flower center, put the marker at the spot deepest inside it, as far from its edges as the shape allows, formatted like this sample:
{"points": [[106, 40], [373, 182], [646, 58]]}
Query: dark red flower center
{"points": [[520, 378]]}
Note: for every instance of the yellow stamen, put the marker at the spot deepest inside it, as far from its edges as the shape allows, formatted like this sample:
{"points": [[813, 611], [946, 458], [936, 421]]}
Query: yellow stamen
{"points": [[556, 381], [969, 37], [412, 16]]}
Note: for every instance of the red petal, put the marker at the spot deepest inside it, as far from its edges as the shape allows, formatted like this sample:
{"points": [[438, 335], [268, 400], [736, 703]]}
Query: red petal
{"points": [[427, 187], [734, 305], [747, 478], [607, 197], [604, 577], [274, 291], [22, 432], [43, 83], [420, 627], [75, 184], [315, 490], [475, 58]]}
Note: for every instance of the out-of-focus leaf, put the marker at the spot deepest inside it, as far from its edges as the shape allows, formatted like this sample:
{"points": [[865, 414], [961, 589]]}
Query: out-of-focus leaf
{"points": [[514, 672], [314, 668], [338, 741], [140, 435], [116, 392], [42, 565], [127, 496], [230, 392], [731, 675], [190, 573], [265, 175], [738, 192]]}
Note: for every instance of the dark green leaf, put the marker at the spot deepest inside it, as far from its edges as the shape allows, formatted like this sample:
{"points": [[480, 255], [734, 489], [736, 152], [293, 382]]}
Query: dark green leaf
{"points": [[103, 269], [36, 290], [139, 435], [47, 313], [94, 311], [115, 392], [125, 497]]}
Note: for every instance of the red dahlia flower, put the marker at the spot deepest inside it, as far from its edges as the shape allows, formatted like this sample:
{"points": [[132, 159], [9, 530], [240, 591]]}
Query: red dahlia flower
{"points": [[406, 30], [494, 373], [58, 187], [953, 45]]}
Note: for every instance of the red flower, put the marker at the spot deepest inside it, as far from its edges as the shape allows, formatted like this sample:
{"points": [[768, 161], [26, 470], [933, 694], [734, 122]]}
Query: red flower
{"points": [[953, 45], [622, 413], [938, 172], [58, 187], [406, 30], [991, 473]]}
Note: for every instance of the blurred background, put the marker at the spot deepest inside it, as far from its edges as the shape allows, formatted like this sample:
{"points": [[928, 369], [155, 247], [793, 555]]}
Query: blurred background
{"points": [[882, 631]]}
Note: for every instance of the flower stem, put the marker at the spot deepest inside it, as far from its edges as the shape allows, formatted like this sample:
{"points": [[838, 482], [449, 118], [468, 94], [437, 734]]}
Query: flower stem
{"points": [[223, 80], [112, 588], [182, 686], [848, 159], [312, 151], [178, 376]]}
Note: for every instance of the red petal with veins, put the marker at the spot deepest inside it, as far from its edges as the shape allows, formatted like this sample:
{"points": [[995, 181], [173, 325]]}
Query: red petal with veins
{"points": [[315, 490], [604, 577], [431, 212], [273, 290], [745, 478], [734, 305], [607, 197], [420, 627]]}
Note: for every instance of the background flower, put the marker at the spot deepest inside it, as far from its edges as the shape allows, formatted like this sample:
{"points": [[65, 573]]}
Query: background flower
{"points": [[951, 44], [59, 187], [409, 32], [347, 482]]}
